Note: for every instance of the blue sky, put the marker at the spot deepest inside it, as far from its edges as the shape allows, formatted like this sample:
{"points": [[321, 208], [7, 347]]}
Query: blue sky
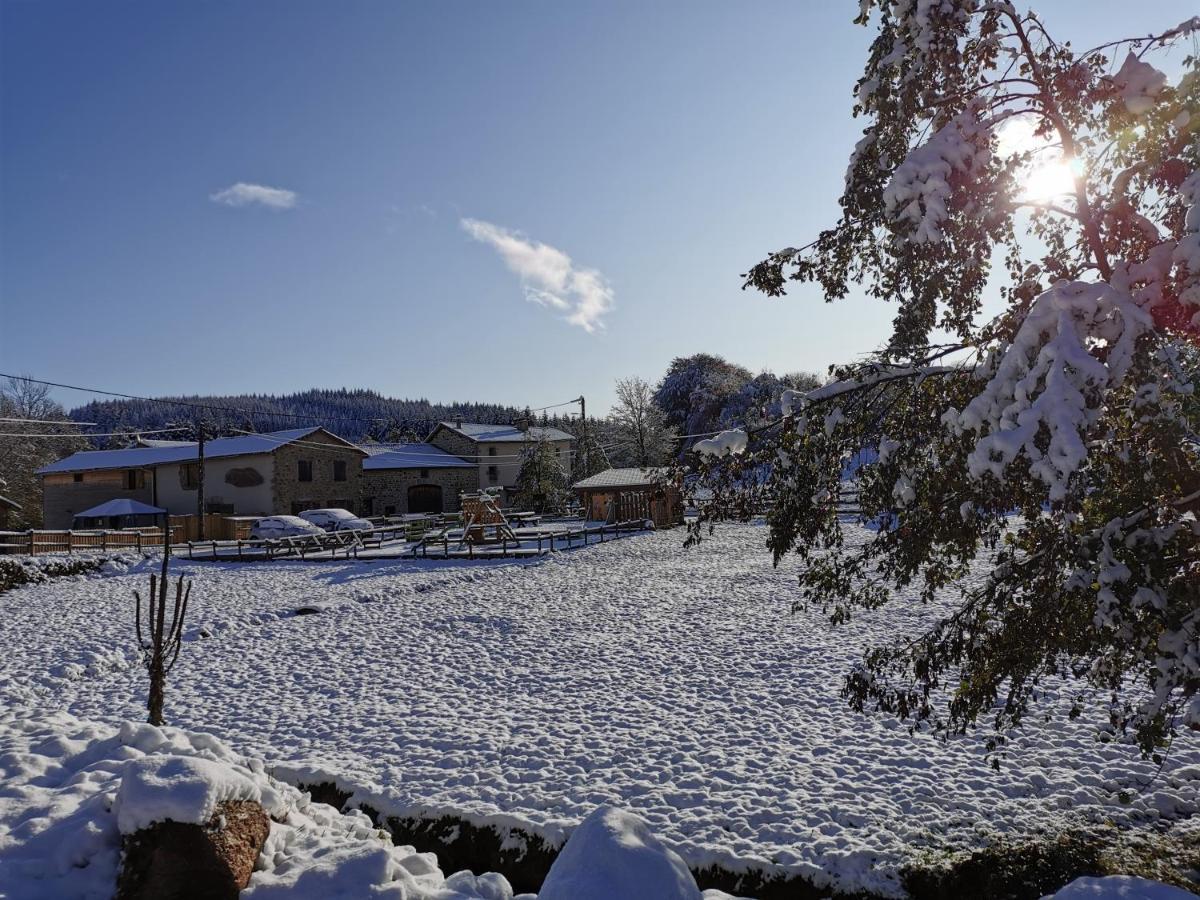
{"points": [[663, 147]]}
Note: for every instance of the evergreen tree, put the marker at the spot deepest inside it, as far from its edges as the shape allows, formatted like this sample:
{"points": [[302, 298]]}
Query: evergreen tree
{"points": [[590, 456], [1076, 408], [542, 482]]}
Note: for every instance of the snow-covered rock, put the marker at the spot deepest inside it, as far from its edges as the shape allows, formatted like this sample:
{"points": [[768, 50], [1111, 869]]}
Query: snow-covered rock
{"points": [[1119, 887], [613, 854], [73, 789]]}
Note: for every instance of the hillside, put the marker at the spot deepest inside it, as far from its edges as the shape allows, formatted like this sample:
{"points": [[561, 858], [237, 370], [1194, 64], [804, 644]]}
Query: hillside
{"points": [[353, 414]]}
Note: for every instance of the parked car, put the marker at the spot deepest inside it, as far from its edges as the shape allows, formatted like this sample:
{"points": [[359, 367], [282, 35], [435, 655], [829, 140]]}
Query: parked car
{"points": [[272, 527], [335, 520]]}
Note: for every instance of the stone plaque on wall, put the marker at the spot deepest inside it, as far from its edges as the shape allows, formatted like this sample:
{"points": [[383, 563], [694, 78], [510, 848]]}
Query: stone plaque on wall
{"points": [[244, 477]]}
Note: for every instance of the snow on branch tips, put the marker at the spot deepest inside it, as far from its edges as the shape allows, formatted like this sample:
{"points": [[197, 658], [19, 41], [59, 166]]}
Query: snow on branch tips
{"points": [[1047, 377], [726, 443], [1187, 251], [920, 190], [1139, 83]]}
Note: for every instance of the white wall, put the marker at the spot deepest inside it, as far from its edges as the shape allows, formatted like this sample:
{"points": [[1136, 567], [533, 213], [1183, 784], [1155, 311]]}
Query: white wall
{"points": [[508, 464], [247, 501]]}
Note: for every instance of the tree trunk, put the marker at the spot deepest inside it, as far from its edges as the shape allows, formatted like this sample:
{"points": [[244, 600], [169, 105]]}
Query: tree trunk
{"points": [[155, 700]]}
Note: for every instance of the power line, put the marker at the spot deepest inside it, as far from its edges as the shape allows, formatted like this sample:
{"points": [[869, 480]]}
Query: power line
{"points": [[47, 422], [300, 442], [126, 434]]}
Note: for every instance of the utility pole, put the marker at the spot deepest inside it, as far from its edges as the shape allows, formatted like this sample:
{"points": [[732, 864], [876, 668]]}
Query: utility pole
{"points": [[200, 478]]}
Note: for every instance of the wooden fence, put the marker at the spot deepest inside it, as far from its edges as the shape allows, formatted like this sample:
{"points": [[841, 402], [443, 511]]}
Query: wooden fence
{"points": [[38, 542]]}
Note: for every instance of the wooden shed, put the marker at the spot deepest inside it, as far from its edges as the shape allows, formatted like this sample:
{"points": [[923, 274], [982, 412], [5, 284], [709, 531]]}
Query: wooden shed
{"points": [[623, 495]]}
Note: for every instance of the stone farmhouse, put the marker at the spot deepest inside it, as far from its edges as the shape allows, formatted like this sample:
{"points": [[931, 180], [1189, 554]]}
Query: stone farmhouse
{"points": [[250, 475], [284, 472], [414, 478], [498, 449]]}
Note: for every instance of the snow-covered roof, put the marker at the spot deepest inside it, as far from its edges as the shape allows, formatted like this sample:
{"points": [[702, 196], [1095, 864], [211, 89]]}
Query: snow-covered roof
{"points": [[150, 442], [146, 457], [411, 456], [500, 433], [618, 478]]}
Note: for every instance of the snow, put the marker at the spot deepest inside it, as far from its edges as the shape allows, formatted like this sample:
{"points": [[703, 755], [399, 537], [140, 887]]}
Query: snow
{"points": [[1119, 887], [1187, 252], [613, 854], [920, 187], [733, 442], [1048, 377], [164, 788], [1139, 83], [73, 788], [675, 684], [174, 452]]}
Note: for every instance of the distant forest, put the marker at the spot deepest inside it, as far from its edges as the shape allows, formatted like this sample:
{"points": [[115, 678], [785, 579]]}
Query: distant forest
{"points": [[356, 415]]}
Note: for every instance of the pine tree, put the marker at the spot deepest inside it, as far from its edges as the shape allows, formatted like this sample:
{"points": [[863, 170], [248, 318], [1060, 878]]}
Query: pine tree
{"points": [[590, 456], [1076, 408]]}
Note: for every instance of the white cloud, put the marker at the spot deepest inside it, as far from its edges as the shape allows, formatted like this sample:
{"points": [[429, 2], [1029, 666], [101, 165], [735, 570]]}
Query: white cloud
{"points": [[243, 194], [548, 276]]}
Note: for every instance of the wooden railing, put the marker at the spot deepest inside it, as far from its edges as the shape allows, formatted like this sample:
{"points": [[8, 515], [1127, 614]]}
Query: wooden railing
{"points": [[445, 546], [38, 542]]}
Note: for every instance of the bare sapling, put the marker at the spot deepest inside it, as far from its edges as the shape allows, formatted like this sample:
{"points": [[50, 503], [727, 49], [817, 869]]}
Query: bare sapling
{"points": [[159, 639]]}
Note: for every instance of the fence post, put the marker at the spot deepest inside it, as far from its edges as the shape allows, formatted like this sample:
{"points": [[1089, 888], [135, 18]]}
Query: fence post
{"points": [[70, 542], [139, 541], [239, 551]]}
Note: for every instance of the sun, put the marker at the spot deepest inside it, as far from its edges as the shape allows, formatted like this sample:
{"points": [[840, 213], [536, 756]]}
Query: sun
{"points": [[1047, 176], [1048, 179]]}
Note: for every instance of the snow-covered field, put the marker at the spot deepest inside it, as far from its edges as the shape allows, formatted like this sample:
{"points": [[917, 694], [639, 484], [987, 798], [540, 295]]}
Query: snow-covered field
{"points": [[674, 683]]}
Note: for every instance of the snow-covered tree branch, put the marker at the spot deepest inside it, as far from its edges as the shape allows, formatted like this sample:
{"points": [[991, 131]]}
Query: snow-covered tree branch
{"points": [[1057, 440]]}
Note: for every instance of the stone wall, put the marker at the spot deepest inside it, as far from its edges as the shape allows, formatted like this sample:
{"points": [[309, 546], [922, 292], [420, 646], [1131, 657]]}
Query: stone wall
{"points": [[453, 442], [385, 489], [63, 497], [292, 495]]}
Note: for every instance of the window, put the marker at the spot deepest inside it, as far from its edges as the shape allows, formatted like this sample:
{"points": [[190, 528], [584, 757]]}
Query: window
{"points": [[189, 476], [77, 477], [131, 479], [491, 451], [493, 474], [424, 473], [339, 470], [389, 510], [304, 470]]}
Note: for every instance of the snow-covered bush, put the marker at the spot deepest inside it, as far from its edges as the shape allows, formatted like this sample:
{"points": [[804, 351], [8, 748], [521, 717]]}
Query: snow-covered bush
{"points": [[1059, 439]]}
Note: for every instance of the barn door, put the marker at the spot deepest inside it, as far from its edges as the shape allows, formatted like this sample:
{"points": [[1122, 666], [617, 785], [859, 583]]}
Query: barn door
{"points": [[425, 498]]}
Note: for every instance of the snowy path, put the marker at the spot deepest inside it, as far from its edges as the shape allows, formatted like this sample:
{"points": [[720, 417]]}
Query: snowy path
{"points": [[675, 683]]}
